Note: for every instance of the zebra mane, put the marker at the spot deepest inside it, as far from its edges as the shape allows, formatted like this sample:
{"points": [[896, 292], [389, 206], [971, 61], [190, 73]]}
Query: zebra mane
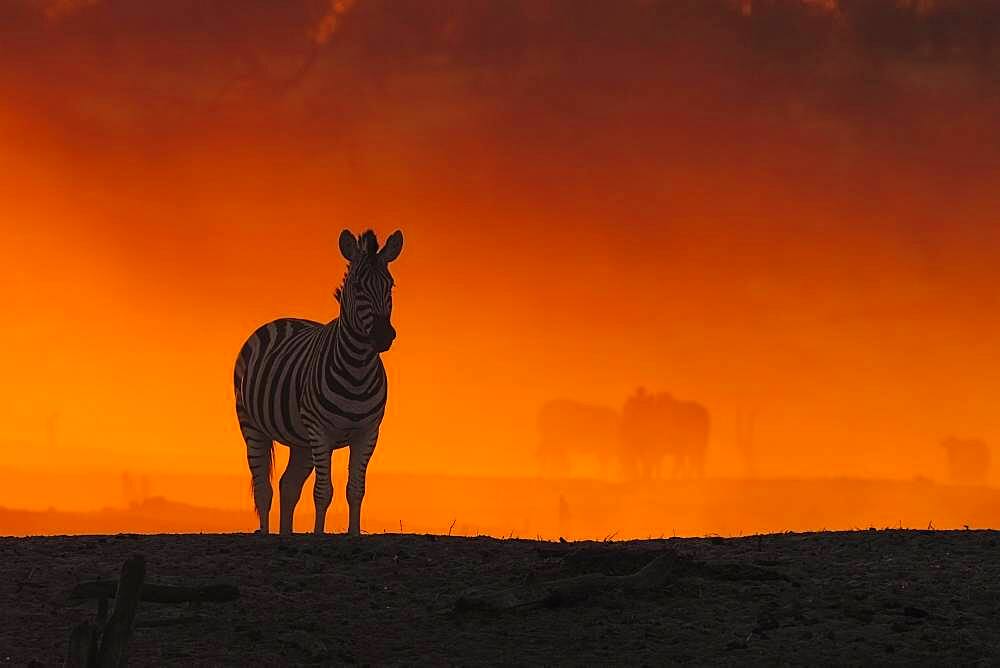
{"points": [[368, 244]]}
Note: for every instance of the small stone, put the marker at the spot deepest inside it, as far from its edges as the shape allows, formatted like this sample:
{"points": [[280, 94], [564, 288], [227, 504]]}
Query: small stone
{"points": [[315, 647]]}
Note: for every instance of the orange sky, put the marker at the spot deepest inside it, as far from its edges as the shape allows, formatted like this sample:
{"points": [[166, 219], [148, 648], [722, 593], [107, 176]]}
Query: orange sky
{"points": [[791, 212]]}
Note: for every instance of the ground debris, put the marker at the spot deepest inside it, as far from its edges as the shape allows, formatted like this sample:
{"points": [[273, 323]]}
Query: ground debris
{"points": [[567, 590], [803, 599], [313, 646], [655, 569]]}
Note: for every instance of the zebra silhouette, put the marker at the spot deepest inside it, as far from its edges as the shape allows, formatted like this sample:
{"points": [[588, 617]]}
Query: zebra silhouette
{"points": [[316, 387]]}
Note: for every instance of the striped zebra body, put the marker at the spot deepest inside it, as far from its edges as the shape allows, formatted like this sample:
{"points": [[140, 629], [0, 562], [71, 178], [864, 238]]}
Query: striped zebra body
{"points": [[316, 388], [286, 387]]}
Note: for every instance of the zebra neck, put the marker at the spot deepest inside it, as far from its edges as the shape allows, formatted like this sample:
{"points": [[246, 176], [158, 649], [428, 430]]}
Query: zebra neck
{"points": [[351, 351]]}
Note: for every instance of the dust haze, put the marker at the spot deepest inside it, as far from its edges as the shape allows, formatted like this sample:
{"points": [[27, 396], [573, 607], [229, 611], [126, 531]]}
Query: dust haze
{"points": [[782, 211]]}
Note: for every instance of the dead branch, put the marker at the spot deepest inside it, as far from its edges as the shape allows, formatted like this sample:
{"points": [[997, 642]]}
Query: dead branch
{"points": [[169, 621], [152, 592], [106, 645], [117, 633]]}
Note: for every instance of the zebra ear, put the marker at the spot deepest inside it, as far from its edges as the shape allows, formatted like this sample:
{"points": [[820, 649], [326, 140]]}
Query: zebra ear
{"points": [[348, 245], [393, 247]]}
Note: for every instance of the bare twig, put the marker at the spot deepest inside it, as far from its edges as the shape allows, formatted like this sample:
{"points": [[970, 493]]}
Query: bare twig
{"points": [[118, 632], [26, 582]]}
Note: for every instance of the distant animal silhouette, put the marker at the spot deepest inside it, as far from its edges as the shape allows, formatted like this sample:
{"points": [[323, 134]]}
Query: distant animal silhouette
{"points": [[656, 425], [316, 387], [649, 428], [568, 429], [968, 460]]}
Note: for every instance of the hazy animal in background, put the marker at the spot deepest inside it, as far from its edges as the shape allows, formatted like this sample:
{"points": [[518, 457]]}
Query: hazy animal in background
{"points": [[568, 429], [968, 459], [691, 427], [639, 434], [316, 387], [650, 428], [656, 425]]}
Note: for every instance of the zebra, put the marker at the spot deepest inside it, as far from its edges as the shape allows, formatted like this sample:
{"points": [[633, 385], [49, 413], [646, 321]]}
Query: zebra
{"points": [[316, 388]]}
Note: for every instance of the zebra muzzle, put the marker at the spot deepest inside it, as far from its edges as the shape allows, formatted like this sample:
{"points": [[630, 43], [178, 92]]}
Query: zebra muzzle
{"points": [[382, 334]]}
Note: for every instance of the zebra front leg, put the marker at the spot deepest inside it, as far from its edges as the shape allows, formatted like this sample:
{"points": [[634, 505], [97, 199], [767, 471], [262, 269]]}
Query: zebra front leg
{"points": [[357, 467], [290, 486], [322, 486]]}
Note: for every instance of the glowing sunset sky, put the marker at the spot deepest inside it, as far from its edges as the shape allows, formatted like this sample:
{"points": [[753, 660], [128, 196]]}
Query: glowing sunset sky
{"points": [[788, 207]]}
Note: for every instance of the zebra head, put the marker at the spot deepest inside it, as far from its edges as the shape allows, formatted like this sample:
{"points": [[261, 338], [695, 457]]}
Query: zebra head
{"points": [[366, 295]]}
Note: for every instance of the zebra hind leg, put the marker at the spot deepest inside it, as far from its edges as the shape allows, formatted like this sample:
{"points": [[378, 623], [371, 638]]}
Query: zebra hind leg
{"points": [[290, 486], [260, 457]]}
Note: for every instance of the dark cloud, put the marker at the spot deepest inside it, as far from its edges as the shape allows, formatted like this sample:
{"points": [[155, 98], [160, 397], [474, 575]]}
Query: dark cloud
{"points": [[645, 108], [172, 65], [652, 110]]}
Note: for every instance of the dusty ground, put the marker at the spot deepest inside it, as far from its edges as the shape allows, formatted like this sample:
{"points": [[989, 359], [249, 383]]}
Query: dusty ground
{"points": [[886, 596]]}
